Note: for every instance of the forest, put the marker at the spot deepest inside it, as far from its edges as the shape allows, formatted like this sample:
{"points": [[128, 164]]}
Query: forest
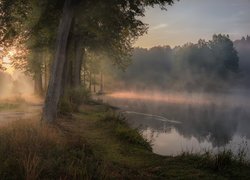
{"points": [[62, 63], [216, 65]]}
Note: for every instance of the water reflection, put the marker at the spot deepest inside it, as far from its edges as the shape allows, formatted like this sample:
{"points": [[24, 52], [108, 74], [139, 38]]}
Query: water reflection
{"points": [[176, 127]]}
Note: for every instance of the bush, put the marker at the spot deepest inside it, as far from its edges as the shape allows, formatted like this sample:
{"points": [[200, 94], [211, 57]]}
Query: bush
{"points": [[72, 99]]}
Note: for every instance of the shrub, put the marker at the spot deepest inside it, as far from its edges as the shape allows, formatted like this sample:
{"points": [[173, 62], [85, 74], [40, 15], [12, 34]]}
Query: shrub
{"points": [[72, 99]]}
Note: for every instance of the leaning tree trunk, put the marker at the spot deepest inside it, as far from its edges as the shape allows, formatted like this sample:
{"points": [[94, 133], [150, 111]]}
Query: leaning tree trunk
{"points": [[55, 82]]}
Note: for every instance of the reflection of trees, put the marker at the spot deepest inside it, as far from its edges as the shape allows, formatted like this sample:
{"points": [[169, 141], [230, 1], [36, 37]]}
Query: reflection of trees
{"points": [[215, 123]]}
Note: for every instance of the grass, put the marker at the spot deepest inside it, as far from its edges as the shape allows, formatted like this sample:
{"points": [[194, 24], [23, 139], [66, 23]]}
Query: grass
{"points": [[96, 143]]}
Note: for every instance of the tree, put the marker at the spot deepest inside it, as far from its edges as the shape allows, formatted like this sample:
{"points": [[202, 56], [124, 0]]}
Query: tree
{"points": [[122, 34], [225, 54]]}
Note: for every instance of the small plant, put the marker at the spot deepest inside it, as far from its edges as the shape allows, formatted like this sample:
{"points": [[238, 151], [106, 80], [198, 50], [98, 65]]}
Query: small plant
{"points": [[223, 159]]}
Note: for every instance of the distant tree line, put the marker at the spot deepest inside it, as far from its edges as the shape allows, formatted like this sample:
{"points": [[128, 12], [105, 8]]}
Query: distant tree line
{"points": [[212, 65]]}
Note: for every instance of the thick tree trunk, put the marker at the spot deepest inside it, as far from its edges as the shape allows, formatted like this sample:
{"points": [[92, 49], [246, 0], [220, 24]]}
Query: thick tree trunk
{"points": [[55, 82], [101, 83], [77, 64]]}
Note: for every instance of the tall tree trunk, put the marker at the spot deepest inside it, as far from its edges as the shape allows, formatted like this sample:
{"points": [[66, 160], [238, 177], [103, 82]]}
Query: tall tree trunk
{"points": [[90, 81], [94, 84], [55, 82], [45, 74], [101, 84], [46, 69], [38, 82], [67, 71], [84, 73], [77, 64]]}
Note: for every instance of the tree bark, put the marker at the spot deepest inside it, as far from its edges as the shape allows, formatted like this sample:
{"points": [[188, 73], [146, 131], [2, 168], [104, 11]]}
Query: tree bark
{"points": [[46, 69], [94, 84], [68, 68], [101, 84], [55, 82], [90, 81], [77, 64], [84, 73], [38, 82]]}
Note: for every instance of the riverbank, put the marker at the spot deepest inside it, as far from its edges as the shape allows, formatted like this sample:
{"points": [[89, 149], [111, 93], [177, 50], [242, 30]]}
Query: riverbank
{"points": [[96, 143]]}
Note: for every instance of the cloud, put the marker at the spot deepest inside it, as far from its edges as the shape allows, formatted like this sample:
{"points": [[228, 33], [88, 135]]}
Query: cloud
{"points": [[160, 26]]}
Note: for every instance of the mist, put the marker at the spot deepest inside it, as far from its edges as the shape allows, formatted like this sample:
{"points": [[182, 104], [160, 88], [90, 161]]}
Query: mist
{"points": [[17, 87], [187, 98]]}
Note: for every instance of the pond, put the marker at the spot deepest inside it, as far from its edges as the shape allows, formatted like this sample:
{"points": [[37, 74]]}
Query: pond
{"points": [[188, 122]]}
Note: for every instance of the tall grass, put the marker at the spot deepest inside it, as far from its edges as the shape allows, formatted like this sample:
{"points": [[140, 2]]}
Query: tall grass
{"points": [[29, 150], [221, 161]]}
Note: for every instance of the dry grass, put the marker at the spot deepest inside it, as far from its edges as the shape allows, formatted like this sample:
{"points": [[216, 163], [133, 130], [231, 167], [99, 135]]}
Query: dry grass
{"points": [[31, 150], [98, 145]]}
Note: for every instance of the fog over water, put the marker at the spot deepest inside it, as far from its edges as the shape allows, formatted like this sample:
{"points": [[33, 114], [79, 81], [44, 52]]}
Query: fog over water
{"points": [[194, 122]]}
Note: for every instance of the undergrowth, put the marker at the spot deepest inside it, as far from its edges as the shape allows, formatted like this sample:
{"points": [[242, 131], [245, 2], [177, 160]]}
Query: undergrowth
{"points": [[29, 150], [125, 133], [72, 99]]}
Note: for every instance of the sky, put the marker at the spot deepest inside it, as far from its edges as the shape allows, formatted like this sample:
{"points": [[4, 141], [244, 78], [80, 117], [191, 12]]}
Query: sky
{"points": [[191, 20]]}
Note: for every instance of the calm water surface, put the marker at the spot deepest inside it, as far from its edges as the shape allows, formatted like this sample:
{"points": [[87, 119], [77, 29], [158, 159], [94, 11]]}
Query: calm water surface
{"points": [[188, 122]]}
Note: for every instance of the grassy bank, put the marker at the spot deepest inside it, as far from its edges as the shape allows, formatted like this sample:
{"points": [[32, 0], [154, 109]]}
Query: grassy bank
{"points": [[96, 143]]}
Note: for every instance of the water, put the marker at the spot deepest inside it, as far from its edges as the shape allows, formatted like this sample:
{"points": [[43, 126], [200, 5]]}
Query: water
{"points": [[181, 122]]}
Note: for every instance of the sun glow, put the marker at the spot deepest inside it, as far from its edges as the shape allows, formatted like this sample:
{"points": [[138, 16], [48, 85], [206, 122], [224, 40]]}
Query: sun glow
{"points": [[10, 57]]}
